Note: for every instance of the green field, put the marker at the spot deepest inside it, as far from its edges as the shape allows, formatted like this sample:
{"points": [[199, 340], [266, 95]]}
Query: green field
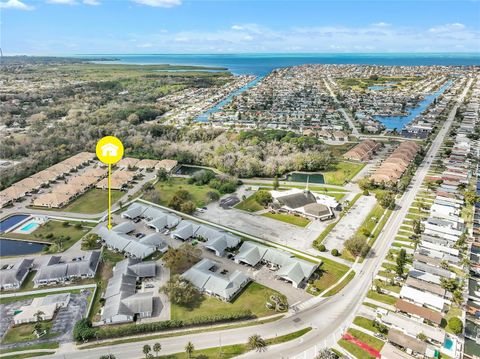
{"points": [[343, 172], [365, 323], [231, 351], [288, 218], [330, 272], [252, 298], [341, 285], [53, 229], [166, 190], [387, 299], [250, 205], [25, 332], [93, 201]]}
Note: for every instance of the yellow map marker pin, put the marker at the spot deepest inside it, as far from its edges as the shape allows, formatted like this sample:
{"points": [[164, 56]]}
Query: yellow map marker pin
{"points": [[109, 151]]}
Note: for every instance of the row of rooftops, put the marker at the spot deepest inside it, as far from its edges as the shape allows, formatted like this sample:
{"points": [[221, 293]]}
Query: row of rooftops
{"points": [[363, 151], [396, 164], [422, 295]]}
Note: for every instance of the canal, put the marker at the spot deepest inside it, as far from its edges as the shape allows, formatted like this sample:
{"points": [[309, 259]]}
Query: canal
{"points": [[204, 116], [399, 122]]}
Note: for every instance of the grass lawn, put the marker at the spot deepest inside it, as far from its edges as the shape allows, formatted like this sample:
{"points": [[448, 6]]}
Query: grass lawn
{"points": [[330, 272], [342, 285], [252, 298], [387, 299], [52, 229], [344, 171], [230, 351], [27, 355], [250, 205], [387, 286], [365, 323], [53, 345], [288, 218], [367, 339], [353, 349], [166, 190], [25, 332], [386, 274]]}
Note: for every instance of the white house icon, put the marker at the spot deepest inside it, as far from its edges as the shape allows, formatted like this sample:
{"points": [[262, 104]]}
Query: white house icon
{"points": [[109, 150]]}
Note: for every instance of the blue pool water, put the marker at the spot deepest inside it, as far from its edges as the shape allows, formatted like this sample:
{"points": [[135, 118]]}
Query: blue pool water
{"points": [[28, 227], [12, 221], [448, 343], [399, 122]]}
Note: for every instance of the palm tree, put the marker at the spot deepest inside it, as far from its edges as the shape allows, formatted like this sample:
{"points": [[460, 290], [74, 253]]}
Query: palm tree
{"points": [[257, 343], [189, 348], [146, 350], [38, 321], [325, 354], [156, 348]]}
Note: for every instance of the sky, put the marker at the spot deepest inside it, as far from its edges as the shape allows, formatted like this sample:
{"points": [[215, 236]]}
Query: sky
{"points": [[56, 27]]}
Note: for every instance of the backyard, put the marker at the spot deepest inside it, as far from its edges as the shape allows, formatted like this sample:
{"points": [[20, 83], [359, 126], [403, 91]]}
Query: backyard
{"points": [[252, 298], [61, 234]]}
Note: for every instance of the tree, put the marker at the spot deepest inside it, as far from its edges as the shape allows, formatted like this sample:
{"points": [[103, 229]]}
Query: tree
{"points": [[189, 348], [180, 291], [471, 197], [188, 207], [82, 331], [357, 246], [417, 228], [455, 325], [382, 328], [162, 175], [257, 343], [450, 285], [421, 336], [38, 322], [401, 261], [386, 200], [181, 258], [213, 196], [156, 348], [275, 183], [90, 241], [335, 252], [146, 350], [326, 354], [263, 197]]}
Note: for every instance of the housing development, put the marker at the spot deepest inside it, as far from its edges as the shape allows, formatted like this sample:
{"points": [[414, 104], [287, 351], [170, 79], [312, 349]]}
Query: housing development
{"points": [[317, 211]]}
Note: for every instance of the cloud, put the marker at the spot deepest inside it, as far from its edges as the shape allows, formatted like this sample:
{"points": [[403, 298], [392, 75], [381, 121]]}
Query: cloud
{"points": [[159, 3], [447, 28], [15, 4], [381, 24], [237, 27], [62, 2], [91, 2]]}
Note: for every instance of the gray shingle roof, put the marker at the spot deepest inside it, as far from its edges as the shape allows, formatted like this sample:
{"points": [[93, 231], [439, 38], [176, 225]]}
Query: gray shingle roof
{"points": [[15, 275]]}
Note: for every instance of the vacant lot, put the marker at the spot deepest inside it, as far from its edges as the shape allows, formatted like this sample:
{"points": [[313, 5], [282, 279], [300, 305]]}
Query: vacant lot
{"points": [[288, 218], [252, 298], [343, 172], [166, 191]]}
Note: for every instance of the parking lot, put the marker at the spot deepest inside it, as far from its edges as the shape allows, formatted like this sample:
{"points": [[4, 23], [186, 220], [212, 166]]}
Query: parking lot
{"points": [[62, 323]]}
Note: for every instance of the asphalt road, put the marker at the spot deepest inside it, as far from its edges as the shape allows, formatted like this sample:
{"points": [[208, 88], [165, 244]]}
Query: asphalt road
{"points": [[329, 318]]}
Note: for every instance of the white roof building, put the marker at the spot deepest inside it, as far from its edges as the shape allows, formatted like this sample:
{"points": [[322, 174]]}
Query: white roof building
{"points": [[422, 298]]}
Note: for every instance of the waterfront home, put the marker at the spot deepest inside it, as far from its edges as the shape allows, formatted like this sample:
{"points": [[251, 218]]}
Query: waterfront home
{"points": [[56, 271]]}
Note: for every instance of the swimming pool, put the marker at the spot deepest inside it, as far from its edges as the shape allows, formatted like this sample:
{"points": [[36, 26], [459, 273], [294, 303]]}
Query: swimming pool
{"points": [[448, 344], [29, 227], [12, 221]]}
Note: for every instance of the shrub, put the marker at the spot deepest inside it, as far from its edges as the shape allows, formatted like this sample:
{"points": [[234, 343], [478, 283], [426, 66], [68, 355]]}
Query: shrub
{"points": [[335, 252], [263, 197], [322, 248], [456, 325], [82, 331]]}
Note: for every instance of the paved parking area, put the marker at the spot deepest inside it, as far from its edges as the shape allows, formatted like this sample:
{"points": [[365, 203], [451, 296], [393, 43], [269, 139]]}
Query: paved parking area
{"points": [[350, 223], [62, 323]]}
